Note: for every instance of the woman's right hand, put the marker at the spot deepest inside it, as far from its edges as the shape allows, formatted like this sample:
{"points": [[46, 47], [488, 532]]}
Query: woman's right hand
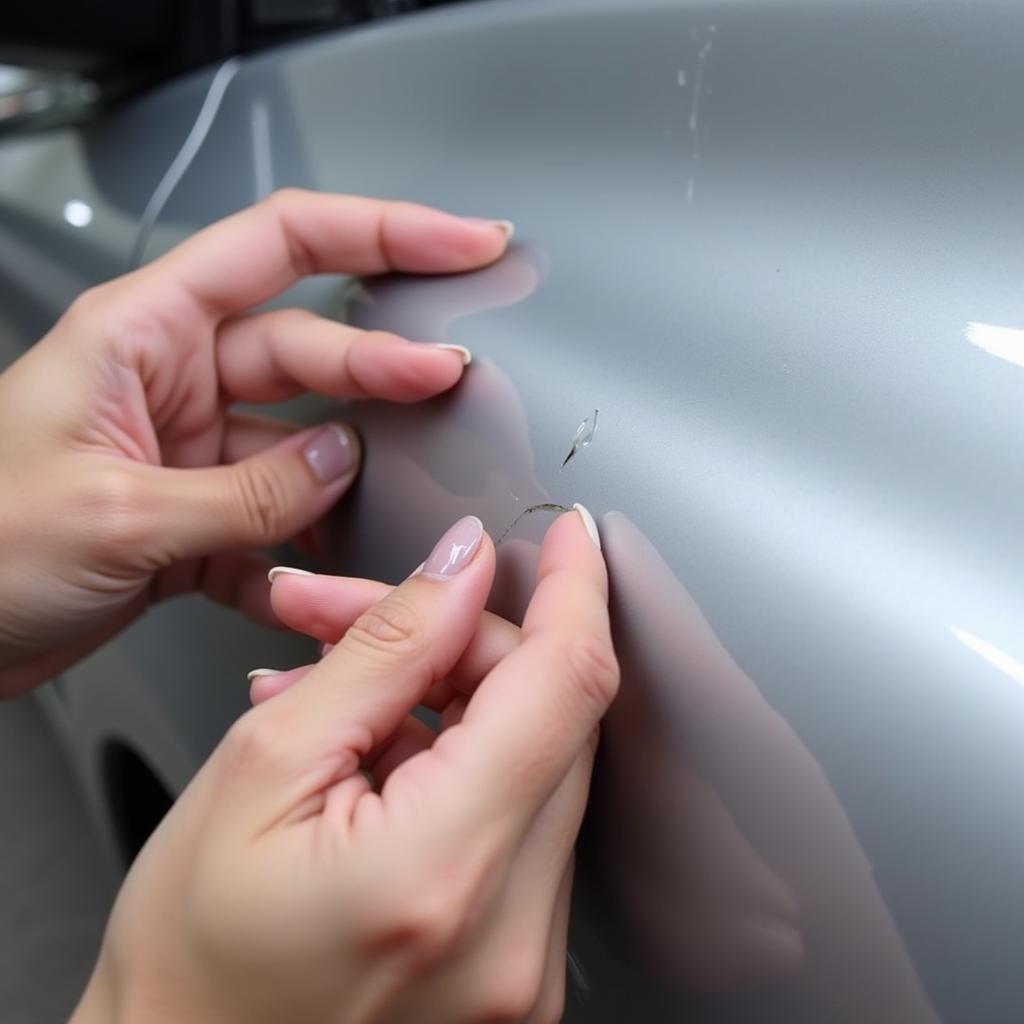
{"points": [[283, 887]]}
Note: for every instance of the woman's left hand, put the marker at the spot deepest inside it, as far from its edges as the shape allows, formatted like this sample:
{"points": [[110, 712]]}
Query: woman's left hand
{"points": [[126, 477]]}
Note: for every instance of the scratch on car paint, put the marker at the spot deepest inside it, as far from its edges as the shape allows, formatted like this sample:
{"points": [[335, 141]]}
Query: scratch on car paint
{"points": [[693, 121], [545, 506], [582, 437], [698, 86]]}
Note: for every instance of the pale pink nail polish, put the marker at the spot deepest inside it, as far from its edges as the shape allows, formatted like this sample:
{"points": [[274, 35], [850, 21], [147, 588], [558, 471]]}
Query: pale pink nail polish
{"points": [[330, 453], [455, 549]]}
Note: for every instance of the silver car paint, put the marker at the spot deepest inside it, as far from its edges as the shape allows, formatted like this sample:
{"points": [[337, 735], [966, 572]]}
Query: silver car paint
{"points": [[778, 246]]}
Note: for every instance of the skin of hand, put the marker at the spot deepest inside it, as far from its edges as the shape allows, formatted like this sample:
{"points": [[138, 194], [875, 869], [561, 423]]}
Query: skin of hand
{"points": [[282, 886], [127, 477]]}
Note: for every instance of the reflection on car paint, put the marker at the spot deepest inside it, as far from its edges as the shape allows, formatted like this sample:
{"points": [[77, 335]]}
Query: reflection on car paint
{"points": [[725, 847], [1003, 342], [1010, 666], [190, 147]]}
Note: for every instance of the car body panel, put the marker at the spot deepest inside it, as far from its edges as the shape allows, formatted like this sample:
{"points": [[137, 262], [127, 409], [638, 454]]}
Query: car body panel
{"points": [[777, 246]]}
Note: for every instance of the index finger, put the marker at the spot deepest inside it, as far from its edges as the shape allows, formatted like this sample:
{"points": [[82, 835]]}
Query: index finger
{"points": [[534, 714], [253, 255]]}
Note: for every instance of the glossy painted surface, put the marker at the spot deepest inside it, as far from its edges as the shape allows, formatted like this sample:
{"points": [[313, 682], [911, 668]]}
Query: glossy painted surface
{"points": [[778, 246]]}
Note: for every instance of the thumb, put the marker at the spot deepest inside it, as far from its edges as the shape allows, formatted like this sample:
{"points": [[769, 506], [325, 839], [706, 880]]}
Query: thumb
{"points": [[261, 500]]}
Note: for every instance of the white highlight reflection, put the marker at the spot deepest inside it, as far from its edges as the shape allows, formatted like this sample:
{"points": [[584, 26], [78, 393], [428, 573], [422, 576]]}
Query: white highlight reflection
{"points": [[998, 658], [262, 157], [77, 213], [1003, 342]]}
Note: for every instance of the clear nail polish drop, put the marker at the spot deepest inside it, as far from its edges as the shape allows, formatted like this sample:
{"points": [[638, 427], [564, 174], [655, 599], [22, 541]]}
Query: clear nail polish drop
{"points": [[582, 437]]}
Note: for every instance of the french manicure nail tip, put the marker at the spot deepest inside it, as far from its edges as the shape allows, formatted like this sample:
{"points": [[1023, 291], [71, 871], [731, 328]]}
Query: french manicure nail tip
{"points": [[588, 523], [506, 227], [259, 673], [286, 570], [455, 549], [459, 350]]}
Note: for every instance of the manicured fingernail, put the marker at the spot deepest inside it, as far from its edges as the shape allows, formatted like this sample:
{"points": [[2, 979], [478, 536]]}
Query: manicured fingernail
{"points": [[466, 355], [258, 673], [330, 454], [326, 649], [455, 549], [506, 227], [286, 570], [589, 524]]}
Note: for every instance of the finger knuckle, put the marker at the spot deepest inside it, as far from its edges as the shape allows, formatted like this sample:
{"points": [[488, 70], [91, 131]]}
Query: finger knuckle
{"points": [[392, 627], [85, 304], [426, 925], [98, 302], [285, 197], [252, 741], [116, 505], [101, 318], [263, 497], [283, 203], [513, 990], [592, 670], [375, 336]]}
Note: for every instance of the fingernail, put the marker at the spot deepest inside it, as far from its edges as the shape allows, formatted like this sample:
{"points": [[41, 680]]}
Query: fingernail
{"points": [[454, 549], [589, 524], [330, 453], [326, 649], [256, 673], [467, 356], [506, 227], [286, 570]]}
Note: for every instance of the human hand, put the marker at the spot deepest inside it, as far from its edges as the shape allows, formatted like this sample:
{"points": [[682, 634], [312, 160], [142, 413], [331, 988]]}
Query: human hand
{"points": [[281, 887], [126, 476]]}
